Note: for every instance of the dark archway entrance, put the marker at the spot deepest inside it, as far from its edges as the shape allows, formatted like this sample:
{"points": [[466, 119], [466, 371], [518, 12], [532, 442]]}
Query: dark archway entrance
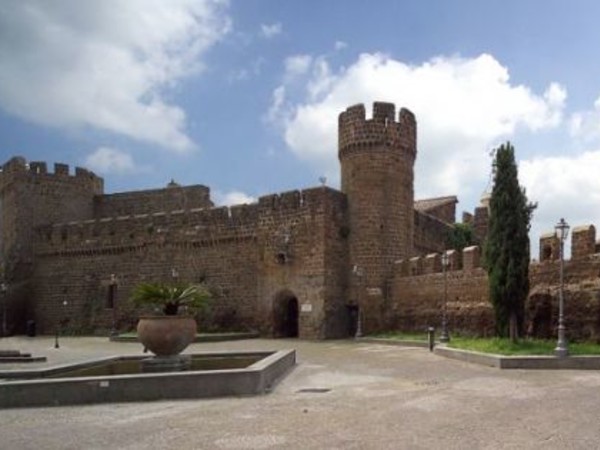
{"points": [[286, 315], [352, 316]]}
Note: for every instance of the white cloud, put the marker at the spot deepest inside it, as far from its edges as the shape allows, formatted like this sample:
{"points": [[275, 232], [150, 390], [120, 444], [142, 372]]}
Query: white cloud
{"points": [[297, 65], [277, 103], [563, 186], [340, 45], [586, 124], [270, 30], [464, 106], [110, 160], [244, 74], [105, 65], [232, 198]]}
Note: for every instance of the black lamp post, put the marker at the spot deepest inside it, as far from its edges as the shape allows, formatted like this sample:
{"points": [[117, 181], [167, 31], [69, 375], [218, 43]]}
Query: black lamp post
{"points": [[561, 350], [112, 301], [58, 324], [3, 291], [444, 336], [359, 273]]}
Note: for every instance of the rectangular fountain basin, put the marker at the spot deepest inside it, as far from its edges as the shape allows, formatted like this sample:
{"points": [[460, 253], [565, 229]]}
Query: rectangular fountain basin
{"points": [[119, 379]]}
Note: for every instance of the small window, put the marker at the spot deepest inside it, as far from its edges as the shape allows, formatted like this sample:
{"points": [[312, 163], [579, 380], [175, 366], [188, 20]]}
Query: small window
{"points": [[282, 258]]}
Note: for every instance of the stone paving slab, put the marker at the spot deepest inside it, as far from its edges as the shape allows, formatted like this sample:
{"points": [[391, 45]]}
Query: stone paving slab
{"points": [[342, 395]]}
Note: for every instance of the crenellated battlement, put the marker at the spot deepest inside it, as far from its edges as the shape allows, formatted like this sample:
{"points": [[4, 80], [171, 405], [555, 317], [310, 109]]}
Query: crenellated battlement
{"points": [[467, 260], [583, 244], [299, 199], [18, 167], [191, 225], [583, 247], [355, 131]]}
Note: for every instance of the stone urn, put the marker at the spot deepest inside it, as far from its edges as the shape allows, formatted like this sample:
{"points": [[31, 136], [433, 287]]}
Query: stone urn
{"points": [[166, 335]]}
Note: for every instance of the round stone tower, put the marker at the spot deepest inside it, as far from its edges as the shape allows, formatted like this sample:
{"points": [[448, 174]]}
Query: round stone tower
{"points": [[377, 158]]}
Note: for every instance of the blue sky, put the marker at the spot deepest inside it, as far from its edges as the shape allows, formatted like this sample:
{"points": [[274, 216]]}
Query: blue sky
{"points": [[243, 96]]}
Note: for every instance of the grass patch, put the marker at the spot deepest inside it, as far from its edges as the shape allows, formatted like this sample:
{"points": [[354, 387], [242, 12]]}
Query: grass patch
{"points": [[498, 346], [502, 346]]}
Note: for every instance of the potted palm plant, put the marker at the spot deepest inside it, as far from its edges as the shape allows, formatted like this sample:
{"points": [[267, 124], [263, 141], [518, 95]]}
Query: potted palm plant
{"points": [[169, 332]]}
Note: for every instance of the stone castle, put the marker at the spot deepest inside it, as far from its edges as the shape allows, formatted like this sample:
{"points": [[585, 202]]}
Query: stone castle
{"points": [[311, 263]]}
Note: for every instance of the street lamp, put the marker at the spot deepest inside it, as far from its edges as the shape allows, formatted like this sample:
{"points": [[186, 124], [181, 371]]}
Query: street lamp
{"points": [[358, 272], [444, 336], [561, 350], [3, 290], [58, 324], [112, 302]]}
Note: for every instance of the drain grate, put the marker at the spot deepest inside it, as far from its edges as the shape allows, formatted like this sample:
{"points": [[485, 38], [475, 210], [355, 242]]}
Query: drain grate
{"points": [[313, 390], [427, 383]]}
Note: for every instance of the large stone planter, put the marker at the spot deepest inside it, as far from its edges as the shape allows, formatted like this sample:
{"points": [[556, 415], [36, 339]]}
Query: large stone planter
{"points": [[166, 335]]}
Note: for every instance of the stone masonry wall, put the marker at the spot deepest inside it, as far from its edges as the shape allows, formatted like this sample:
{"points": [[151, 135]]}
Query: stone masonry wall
{"points": [[418, 295], [216, 246], [75, 261], [31, 196], [445, 212], [247, 254], [82, 280], [377, 157], [298, 235], [171, 198], [417, 300], [430, 234]]}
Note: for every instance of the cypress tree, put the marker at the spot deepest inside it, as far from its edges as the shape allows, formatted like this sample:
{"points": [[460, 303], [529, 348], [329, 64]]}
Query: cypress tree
{"points": [[507, 247]]}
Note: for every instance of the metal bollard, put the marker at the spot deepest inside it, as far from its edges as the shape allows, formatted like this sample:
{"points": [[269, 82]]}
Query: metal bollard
{"points": [[431, 338]]}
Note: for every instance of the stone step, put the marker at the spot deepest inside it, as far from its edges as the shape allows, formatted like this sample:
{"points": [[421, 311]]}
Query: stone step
{"points": [[22, 359], [13, 354]]}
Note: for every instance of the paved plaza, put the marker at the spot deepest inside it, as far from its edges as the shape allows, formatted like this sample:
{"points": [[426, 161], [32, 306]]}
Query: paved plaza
{"points": [[341, 395]]}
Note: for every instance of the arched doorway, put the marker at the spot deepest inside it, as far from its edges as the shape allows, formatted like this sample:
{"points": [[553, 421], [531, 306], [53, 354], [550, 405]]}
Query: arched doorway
{"points": [[285, 312]]}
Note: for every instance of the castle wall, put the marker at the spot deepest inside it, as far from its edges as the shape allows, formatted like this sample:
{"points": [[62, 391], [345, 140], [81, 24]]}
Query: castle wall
{"points": [[582, 298], [237, 251], [31, 196], [445, 212], [227, 267], [217, 246], [418, 295], [481, 223], [338, 321], [299, 240], [430, 233], [171, 198], [335, 256]]}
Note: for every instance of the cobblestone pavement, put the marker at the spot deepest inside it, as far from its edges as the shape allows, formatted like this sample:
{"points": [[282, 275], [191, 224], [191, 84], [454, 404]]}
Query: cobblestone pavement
{"points": [[341, 395]]}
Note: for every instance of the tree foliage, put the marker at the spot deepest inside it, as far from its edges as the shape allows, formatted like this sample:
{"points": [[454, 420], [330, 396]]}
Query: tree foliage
{"points": [[461, 236], [507, 247]]}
